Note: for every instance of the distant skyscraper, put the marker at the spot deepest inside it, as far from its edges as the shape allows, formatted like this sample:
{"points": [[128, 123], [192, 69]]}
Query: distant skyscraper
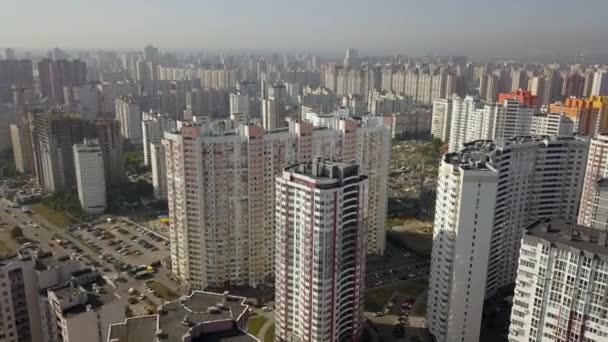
{"points": [[54, 135], [352, 58], [153, 127], [239, 103], [108, 134], [274, 109], [590, 115], [151, 53], [320, 264], [560, 288], [128, 113], [15, 73], [441, 119], [54, 75], [9, 53], [90, 178], [600, 83]]}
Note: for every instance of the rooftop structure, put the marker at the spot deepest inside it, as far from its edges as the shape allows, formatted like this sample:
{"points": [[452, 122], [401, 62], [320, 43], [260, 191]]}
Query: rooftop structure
{"points": [[202, 316]]}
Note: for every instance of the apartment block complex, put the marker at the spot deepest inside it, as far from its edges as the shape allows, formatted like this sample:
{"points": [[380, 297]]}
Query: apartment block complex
{"points": [[590, 115], [221, 192], [535, 178], [473, 120], [320, 256]]}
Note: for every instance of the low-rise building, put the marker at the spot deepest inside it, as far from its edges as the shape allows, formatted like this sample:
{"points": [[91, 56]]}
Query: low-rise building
{"points": [[202, 316]]}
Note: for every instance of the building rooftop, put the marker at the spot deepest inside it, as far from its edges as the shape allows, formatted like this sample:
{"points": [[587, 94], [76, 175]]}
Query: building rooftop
{"points": [[47, 261], [98, 294], [176, 319], [569, 236], [324, 170]]}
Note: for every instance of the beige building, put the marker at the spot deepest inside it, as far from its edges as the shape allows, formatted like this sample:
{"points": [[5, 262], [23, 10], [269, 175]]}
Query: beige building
{"points": [[221, 192]]}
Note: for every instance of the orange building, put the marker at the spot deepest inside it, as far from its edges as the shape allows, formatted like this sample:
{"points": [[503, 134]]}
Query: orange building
{"points": [[590, 115], [524, 97]]}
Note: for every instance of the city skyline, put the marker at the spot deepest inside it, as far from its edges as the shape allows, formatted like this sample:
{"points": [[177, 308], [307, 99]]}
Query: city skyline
{"points": [[468, 27]]}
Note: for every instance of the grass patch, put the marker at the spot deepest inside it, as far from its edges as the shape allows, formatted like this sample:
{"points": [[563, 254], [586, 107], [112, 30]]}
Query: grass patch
{"points": [[8, 245], [269, 336], [162, 291], [375, 299], [53, 216], [414, 235], [255, 324]]}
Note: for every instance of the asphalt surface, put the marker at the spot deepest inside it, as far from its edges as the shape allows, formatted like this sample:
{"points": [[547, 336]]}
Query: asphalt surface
{"points": [[48, 236]]}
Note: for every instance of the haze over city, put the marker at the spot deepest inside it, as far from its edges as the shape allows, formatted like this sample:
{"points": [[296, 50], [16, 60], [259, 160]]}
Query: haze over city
{"points": [[469, 27]]}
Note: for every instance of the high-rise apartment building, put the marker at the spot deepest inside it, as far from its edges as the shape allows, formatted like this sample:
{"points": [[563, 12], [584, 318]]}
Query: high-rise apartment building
{"points": [[159, 170], [473, 120], [320, 258], [466, 197], [382, 103], [221, 192], [108, 134], [526, 179], [239, 103], [560, 291], [56, 74], [153, 126], [53, 135], [128, 113], [19, 294], [90, 177], [600, 83], [14, 73], [441, 119], [552, 124], [320, 100], [22, 148], [596, 170], [590, 115]]}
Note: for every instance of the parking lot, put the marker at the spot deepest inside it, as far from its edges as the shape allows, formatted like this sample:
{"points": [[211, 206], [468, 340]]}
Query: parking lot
{"points": [[121, 250], [398, 264], [123, 243]]}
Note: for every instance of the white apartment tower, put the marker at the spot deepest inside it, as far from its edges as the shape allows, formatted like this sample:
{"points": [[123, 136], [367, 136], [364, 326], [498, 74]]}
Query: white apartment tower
{"points": [[90, 176], [560, 292], [319, 269], [153, 126], [595, 171], [239, 103], [220, 190], [441, 119], [128, 113], [473, 120], [536, 178]]}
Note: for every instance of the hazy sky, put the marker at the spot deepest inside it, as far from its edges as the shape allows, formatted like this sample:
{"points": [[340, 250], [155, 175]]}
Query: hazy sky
{"points": [[374, 26]]}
